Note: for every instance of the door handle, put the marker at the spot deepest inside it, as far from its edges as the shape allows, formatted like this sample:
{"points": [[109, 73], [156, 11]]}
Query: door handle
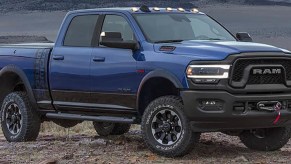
{"points": [[98, 59], [58, 57]]}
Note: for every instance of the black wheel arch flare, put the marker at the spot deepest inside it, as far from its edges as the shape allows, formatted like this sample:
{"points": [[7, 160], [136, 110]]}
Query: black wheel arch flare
{"points": [[13, 69], [159, 73]]}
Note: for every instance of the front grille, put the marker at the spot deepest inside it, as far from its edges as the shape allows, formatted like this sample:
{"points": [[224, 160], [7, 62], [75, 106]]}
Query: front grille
{"points": [[266, 79], [241, 64]]}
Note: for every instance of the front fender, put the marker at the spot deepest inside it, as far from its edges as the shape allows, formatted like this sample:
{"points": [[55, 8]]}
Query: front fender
{"points": [[161, 74]]}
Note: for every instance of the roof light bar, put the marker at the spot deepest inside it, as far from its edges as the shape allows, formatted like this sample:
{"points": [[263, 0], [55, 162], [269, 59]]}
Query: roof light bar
{"points": [[156, 9], [134, 9], [180, 9], [194, 10], [169, 9]]}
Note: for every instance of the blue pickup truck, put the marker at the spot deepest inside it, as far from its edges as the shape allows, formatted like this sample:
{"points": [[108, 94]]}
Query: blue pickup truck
{"points": [[176, 72]]}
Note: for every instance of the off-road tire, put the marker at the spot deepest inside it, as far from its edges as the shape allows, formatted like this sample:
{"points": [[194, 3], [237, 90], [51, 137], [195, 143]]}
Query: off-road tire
{"points": [[120, 128], [182, 145], [103, 128], [66, 123], [275, 138], [30, 120]]}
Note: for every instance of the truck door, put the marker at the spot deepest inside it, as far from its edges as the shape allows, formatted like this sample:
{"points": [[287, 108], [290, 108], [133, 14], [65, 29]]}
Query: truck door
{"points": [[70, 64], [113, 70]]}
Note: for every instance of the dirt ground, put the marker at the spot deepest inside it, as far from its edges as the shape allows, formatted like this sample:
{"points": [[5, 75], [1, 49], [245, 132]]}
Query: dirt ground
{"points": [[77, 145]]}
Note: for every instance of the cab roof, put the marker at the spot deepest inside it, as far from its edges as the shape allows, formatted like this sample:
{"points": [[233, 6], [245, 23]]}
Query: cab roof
{"points": [[143, 9]]}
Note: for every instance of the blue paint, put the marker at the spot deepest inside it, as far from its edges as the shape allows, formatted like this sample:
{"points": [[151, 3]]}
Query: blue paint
{"points": [[78, 72]]}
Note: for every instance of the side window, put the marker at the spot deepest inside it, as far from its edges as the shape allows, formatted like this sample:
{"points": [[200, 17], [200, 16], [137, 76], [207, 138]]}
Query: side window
{"points": [[81, 31], [115, 23]]}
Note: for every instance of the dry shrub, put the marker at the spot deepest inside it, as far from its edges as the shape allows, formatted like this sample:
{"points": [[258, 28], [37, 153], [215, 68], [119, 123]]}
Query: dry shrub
{"points": [[85, 127]]}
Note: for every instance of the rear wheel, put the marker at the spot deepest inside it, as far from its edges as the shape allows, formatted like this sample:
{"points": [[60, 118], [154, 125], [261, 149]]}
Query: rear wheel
{"points": [[66, 123], [165, 128], [105, 128], [19, 121], [266, 139], [120, 128]]}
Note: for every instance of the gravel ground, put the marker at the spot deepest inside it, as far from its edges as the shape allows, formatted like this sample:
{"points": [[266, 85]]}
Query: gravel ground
{"points": [[129, 148]]}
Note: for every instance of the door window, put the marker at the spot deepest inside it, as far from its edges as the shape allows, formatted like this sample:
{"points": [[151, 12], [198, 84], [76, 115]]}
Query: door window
{"points": [[81, 31], [115, 23]]}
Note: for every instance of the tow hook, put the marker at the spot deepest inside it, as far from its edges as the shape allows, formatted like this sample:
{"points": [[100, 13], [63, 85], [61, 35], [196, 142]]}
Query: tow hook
{"points": [[271, 106]]}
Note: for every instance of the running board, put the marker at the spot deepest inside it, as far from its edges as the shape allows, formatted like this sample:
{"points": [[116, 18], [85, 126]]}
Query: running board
{"points": [[67, 116]]}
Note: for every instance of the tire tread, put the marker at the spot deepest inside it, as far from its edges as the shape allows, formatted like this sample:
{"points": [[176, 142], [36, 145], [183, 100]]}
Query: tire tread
{"points": [[31, 119], [191, 138]]}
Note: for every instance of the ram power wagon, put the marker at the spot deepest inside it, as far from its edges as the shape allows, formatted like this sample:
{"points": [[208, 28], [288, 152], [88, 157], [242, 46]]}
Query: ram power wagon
{"points": [[176, 72]]}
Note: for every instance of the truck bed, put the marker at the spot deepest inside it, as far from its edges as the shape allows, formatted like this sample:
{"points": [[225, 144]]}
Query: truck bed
{"points": [[32, 60], [28, 45]]}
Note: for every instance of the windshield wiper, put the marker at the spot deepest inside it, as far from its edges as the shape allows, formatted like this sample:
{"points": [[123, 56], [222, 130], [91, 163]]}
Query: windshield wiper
{"points": [[168, 41], [210, 39], [214, 39]]}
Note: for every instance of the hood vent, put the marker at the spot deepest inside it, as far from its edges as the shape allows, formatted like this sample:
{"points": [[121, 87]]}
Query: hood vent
{"points": [[167, 48]]}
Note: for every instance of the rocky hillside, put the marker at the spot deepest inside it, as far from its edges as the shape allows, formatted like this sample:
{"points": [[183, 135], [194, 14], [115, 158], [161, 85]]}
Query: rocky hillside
{"points": [[53, 5]]}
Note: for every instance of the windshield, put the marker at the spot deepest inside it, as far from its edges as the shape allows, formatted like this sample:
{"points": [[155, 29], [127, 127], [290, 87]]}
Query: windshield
{"points": [[177, 27]]}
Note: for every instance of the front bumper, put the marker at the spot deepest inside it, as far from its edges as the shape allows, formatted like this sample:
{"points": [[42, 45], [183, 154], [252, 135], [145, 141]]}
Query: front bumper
{"points": [[233, 112]]}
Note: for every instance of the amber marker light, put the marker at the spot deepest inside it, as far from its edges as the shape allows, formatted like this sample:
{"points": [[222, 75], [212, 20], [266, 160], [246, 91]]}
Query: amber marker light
{"points": [[189, 71]]}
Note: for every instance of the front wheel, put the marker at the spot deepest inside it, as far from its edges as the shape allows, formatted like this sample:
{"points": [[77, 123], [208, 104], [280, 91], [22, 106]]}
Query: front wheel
{"points": [[165, 128], [266, 139], [19, 121]]}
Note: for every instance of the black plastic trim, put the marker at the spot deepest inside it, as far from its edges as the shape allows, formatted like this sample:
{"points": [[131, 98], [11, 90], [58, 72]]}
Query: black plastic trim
{"points": [[120, 99], [97, 31], [244, 80], [90, 118], [61, 104], [15, 70], [227, 118], [161, 74]]}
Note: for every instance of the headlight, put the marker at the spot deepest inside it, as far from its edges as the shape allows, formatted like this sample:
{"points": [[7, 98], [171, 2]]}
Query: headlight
{"points": [[207, 73]]}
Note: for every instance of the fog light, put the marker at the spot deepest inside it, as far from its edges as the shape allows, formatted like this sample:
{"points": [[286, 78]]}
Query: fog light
{"points": [[211, 105], [206, 81], [239, 108]]}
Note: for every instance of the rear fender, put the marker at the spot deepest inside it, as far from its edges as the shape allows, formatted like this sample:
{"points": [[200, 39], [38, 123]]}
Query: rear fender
{"points": [[12, 70]]}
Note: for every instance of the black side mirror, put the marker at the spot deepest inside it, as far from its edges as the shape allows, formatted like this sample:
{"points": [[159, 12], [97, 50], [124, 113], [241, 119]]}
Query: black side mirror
{"points": [[114, 40], [244, 37]]}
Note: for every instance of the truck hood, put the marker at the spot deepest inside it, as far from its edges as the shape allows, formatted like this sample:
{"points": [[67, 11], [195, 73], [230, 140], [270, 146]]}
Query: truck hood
{"points": [[215, 50]]}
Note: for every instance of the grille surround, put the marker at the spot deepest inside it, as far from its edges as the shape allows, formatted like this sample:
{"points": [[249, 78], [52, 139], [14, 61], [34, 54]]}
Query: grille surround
{"points": [[238, 71]]}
